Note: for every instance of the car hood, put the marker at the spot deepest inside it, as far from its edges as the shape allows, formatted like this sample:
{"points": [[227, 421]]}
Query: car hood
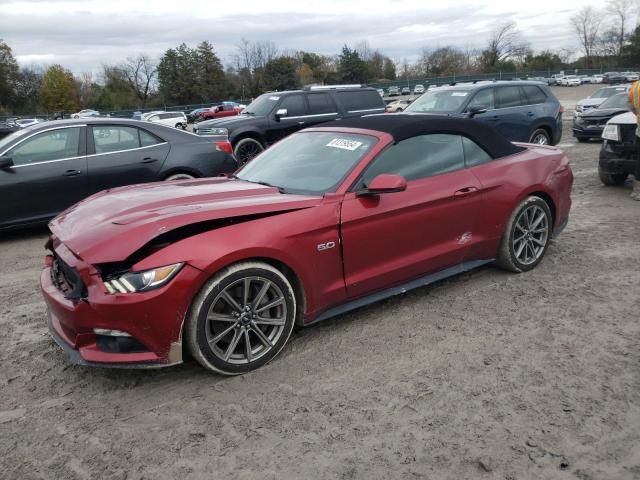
{"points": [[603, 112], [226, 122], [111, 225], [627, 118], [590, 102]]}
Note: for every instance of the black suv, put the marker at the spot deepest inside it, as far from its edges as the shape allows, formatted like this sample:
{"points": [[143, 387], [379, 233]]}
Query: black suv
{"points": [[521, 111], [275, 115]]}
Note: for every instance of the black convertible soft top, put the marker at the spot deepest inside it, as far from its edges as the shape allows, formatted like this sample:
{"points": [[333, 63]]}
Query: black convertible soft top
{"points": [[406, 125]]}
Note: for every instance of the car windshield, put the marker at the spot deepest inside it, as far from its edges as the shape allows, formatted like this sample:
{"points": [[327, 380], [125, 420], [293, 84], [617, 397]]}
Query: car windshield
{"points": [[616, 101], [11, 137], [262, 105], [312, 163], [607, 92], [439, 101]]}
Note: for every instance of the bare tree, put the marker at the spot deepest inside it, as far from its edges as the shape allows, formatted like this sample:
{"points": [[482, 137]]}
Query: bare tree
{"points": [[364, 50], [140, 73], [586, 24], [622, 10], [505, 43]]}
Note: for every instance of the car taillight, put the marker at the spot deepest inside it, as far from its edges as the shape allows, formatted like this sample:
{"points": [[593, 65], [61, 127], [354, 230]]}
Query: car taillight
{"points": [[224, 146]]}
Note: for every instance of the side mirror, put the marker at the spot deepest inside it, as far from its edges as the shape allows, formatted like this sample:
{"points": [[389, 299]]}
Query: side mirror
{"points": [[282, 112], [6, 162], [475, 110], [384, 183]]}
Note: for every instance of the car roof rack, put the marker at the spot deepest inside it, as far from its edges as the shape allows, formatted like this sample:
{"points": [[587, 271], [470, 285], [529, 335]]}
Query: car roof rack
{"points": [[332, 87]]}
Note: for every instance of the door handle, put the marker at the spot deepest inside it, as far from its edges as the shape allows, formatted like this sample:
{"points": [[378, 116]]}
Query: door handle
{"points": [[531, 114], [149, 160], [465, 191], [300, 123], [72, 173]]}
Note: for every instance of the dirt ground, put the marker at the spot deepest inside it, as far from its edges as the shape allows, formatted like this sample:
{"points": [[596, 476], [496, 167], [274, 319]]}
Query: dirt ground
{"points": [[487, 375]]}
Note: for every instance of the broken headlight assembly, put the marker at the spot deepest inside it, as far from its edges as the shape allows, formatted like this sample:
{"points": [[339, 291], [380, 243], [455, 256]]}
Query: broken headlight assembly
{"points": [[132, 282], [611, 132]]}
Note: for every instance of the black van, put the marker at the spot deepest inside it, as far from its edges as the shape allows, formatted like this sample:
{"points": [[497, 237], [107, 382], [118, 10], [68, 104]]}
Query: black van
{"points": [[275, 115]]}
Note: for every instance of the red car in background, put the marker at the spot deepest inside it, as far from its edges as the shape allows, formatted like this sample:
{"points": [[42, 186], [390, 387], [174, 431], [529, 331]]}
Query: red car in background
{"points": [[327, 220], [226, 109]]}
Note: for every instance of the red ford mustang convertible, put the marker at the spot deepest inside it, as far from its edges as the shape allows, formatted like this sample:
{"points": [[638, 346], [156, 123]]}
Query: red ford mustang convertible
{"points": [[327, 220]]}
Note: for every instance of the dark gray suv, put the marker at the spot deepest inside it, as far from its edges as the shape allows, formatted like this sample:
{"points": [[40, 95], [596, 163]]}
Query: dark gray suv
{"points": [[523, 111]]}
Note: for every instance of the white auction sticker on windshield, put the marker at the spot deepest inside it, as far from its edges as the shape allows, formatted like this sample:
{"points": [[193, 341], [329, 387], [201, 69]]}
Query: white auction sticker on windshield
{"points": [[344, 144], [459, 94], [274, 98]]}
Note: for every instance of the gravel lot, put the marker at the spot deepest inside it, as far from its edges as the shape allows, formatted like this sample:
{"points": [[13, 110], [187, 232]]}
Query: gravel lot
{"points": [[487, 375]]}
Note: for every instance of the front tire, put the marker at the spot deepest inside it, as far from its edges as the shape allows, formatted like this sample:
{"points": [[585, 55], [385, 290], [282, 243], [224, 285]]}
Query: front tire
{"points": [[241, 319], [246, 149], [612, 179], [527, 236]]}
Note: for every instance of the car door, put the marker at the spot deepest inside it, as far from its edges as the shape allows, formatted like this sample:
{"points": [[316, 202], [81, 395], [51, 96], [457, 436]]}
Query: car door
{"points": [[294, 120], [513, 118], [395, 237], [321, 108], [49, 174], [123, 155]]}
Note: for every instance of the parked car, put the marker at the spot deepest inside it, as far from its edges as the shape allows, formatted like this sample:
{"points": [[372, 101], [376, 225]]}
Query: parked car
{"points": [[397, 106], [56, 164], [597, 78], [599, 96], [613, 78], [7, 129], [194, 115], [145, 116], [314, 227], [169, 119], [591, 123], [619, 149], [418, 89], [26, 122], [584, 79], [86, 113], [406, 91], [393, 91], [380, 91], [522, 111], [58, 115], [137, 115], [570, 81], [273, 116], [225, 109], [630, 76]]}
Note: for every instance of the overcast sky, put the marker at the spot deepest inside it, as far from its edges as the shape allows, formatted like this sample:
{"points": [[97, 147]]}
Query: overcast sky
{"points": [[81, 35]]}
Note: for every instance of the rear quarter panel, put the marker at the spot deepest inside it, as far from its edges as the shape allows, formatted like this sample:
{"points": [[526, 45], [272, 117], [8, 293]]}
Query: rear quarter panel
{"points": [[199, 157]]}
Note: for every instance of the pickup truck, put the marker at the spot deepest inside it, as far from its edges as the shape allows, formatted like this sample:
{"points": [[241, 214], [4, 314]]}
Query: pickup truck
{"points": [[226, 109]]}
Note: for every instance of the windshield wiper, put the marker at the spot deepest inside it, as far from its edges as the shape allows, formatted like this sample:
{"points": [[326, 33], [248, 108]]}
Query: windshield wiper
{"points": [[267, 184]]}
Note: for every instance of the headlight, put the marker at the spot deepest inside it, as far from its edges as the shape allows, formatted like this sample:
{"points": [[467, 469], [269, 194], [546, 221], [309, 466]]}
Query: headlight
{"points": [[132, 282], [219, 131], [611, 132], [578, 108]]}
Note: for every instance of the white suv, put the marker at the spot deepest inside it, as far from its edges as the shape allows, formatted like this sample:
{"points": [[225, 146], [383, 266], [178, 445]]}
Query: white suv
{"points": [[170, 119], [570, 81]]}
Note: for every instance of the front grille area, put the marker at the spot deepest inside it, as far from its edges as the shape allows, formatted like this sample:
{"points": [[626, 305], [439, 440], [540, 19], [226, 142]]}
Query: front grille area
{"points": [[626, 148], [67, 280]]}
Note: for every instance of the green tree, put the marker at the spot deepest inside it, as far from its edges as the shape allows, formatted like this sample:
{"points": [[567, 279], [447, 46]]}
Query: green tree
{"points": [[389, 69], [631, 51], [545, 60], [58, 90], [211, 79], [351, 68], [280, 73], [9, 76]]}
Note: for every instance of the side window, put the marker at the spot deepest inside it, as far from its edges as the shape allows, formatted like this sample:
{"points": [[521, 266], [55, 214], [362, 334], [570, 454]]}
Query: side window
{"points": [[153, 118], [53, 145], [534, 94], [356, 100], [473, 153], [295, 105], [113, 138], [148, 139], [508, 97], [484, 99], [320, 103], [419, 157]]}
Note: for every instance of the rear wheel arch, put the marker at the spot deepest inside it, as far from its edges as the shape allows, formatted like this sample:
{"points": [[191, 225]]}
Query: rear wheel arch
{"points": [[546, 128], [178, 170], [548, 199]]}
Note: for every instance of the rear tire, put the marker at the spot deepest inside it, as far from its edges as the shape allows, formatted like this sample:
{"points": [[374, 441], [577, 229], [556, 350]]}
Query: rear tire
{"points": [[241, 319], [540, 137], [527, 236], [612, 179]]}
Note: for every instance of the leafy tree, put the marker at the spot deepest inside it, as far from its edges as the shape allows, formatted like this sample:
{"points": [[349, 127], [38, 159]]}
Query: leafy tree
{"points": [[351, 68], [389, 69], [280, 73], [58, 90], [9, 75], [545, 60], [211, 80]]}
